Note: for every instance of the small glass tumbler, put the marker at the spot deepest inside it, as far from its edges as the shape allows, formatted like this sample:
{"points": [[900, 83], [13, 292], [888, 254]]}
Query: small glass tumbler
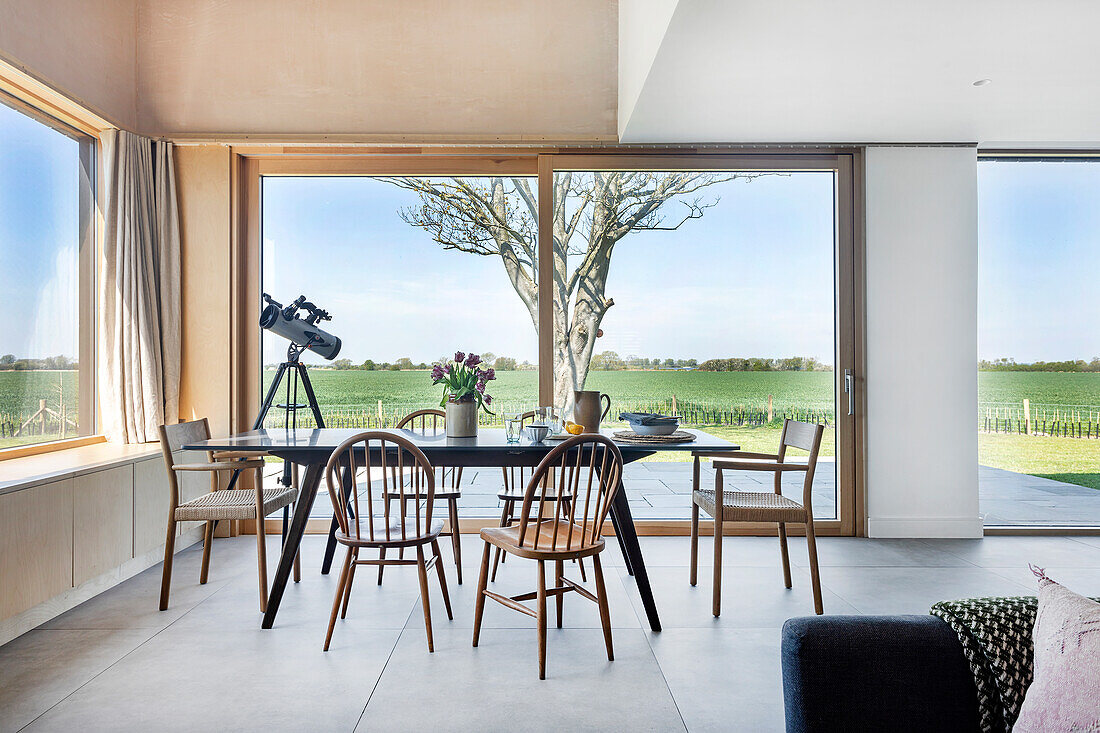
{"points": [[513, 426], [551, 416]]}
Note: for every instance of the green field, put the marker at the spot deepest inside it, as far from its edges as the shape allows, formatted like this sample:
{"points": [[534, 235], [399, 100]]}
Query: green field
{"points": [[353, 394]]}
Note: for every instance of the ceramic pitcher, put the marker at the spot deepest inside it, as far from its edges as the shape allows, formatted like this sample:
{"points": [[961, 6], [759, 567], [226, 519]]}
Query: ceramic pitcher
{"points": [[586, 409]]}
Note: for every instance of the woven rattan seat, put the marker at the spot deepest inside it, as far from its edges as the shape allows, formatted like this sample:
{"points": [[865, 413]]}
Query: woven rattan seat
{"points": [[750, 506], [219, 504], [233, 504], [759, 507]]}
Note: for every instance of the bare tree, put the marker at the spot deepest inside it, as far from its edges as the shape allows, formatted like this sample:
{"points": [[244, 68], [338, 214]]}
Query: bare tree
{"points": [[498, 217]]}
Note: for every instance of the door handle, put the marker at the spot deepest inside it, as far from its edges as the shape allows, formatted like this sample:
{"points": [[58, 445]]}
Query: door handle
{"points": [[848, 388]]}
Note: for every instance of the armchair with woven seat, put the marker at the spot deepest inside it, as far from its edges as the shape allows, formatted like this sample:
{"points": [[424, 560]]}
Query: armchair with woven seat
{"points": [[219, 504], [750, 506]]}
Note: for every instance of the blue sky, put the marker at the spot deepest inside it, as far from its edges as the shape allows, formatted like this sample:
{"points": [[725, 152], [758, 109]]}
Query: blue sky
{"points": [[752, 277], [1038, 260], [39, 216]]}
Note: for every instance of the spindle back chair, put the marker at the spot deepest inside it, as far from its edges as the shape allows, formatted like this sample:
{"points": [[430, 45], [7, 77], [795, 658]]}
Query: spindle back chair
{"points": [[361, 473], [589, 467]]}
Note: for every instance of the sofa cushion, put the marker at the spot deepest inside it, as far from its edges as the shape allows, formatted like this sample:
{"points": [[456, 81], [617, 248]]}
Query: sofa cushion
{"points": [[1065, 691], [871, 673]]}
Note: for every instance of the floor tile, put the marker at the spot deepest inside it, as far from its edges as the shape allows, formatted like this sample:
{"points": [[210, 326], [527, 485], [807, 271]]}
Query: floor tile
{"points": [[890, 590]]}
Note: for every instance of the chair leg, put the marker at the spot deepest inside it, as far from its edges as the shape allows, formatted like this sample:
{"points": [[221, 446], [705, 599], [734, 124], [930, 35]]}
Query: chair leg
{"points": [[784, 555], [166, 574], [693, 575], [456, 538], [559, 598], [540, 618], [605, 612], [381, 556], [479, 603], [337, 598], [351, 579], [261, 562], [815, 578], [505, 520], [298, 554], [442, 578], [716, 592], [424, 601], [207, 541]]}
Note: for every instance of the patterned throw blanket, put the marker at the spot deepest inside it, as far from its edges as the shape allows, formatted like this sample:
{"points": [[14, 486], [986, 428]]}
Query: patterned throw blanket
{"points": [[995, 634]]}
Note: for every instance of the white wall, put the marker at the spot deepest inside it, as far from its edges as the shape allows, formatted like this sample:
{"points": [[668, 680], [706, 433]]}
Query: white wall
{"points": [[921, 381]]}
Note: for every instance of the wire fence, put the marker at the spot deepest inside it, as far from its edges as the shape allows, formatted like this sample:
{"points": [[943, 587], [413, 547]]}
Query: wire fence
{"points": [[1033, 418], [697, 414]]}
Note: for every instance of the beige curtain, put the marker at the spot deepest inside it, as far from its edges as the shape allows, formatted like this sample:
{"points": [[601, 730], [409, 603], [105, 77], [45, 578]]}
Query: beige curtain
{"points": [[139, 309]]}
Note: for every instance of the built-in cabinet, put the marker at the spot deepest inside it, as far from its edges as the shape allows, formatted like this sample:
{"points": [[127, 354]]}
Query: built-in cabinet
{"points": [[66, 540]]}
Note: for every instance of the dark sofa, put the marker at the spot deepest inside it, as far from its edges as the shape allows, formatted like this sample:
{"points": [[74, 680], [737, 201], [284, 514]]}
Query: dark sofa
{"points": [[876, 673]]}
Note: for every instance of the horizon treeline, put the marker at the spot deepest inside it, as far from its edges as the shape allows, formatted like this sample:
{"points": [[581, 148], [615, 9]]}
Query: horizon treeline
{"points": [[12, 363], [1010, 365]]}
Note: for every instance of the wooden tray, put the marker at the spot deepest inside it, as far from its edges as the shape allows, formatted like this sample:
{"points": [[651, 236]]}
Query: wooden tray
{"points": [[629, 436]]}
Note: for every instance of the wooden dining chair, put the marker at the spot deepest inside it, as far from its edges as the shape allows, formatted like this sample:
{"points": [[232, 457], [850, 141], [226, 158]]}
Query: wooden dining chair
{"points": [[448, 481], [590, 467], [512, 494], [377, 458], [218, 504], [747, 506]]}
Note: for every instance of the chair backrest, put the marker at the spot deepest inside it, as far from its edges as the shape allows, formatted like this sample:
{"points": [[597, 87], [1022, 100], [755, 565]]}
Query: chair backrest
{"points": [[433, 422], [174, 437], [804, 436], [380, 457], [589, 467], [514, 476]]}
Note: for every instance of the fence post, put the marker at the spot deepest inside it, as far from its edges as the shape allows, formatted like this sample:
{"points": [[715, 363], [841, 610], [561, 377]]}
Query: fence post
{"points": [[674, 405], [42, 413], [379, 413], [1027, 416], [771, 410]]}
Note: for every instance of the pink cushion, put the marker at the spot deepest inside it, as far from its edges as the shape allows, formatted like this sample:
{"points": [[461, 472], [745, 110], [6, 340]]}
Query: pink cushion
{"points": [[1065, 692]]}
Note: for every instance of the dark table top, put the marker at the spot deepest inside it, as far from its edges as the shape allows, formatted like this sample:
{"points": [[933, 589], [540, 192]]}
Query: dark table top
{"points": [[489, 440]]}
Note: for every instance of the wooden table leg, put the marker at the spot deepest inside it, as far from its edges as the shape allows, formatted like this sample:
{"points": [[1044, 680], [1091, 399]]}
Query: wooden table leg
{"points": [[307, 493], [632, 552]]}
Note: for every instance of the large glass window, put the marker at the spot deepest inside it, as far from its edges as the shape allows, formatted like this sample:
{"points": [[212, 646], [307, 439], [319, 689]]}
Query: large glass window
{"points": [[45, 268], [707, 295], [1039, 371]]}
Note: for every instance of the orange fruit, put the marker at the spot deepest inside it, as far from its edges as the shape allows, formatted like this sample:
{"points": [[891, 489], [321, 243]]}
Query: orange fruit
{"points": [[573, 428]]}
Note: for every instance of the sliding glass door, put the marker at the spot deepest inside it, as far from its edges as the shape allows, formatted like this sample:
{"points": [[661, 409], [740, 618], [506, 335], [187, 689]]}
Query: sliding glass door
{"points": [[1039, 371], [720, 291]]}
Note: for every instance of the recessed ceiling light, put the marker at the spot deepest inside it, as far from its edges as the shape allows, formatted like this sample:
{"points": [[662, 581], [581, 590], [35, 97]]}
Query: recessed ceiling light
{"points": [[982, 82]]}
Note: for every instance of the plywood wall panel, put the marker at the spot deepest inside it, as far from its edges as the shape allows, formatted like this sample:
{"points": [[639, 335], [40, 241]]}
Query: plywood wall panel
{"points": [[103, 522], [36, 545]]}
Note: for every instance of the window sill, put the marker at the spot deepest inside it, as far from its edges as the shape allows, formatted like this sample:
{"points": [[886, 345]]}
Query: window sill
{"points": [[34, 449], [28, 471]]}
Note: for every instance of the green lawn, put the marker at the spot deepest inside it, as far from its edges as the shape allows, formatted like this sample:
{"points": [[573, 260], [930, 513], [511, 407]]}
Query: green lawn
{"points": [[1072, 460]]}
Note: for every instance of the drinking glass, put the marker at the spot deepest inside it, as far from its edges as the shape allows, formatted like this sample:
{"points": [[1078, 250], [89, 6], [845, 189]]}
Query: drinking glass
{"points": [[513, 426], [551, 416]]}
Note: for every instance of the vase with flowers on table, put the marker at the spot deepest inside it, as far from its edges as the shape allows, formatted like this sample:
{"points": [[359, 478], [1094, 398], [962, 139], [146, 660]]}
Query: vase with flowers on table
{"points": [[464, 395]]}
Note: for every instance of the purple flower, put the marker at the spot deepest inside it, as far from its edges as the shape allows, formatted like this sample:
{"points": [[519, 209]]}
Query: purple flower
{"points": [[437, 373], [446, 368], [459, 356], [488, 399], [489, 374], [471, 361], [480, 387]]}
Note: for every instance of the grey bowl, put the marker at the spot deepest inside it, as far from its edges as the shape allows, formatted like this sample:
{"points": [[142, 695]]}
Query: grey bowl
{"points": [[658, 429], [536, 432]]}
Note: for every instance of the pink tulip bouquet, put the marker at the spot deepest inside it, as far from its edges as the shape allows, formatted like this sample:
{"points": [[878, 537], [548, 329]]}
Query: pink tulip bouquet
{"points": [[464, 380]]}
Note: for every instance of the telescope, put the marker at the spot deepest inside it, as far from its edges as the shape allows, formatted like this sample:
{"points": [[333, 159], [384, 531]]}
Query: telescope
{"points": [[302, 333]]}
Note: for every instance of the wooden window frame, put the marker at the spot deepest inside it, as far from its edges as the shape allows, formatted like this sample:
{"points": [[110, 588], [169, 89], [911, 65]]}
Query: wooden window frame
{"points": [[68, 120], [252, 163]]}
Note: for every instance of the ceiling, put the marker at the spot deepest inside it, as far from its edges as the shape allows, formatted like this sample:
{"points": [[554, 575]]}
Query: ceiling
{"points": [[838, 71]]}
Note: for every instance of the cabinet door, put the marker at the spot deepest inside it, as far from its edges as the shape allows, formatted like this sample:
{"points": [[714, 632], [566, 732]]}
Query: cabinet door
{"points": [[150, 505], [103, 522], [36, 545]]}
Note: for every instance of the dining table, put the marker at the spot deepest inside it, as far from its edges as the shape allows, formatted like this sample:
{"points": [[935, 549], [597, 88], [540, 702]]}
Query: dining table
{"points": [[310, 450]]}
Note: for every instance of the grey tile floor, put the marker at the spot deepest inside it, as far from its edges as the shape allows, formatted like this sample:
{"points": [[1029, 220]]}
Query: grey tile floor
{"points": [[115, 663]]}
